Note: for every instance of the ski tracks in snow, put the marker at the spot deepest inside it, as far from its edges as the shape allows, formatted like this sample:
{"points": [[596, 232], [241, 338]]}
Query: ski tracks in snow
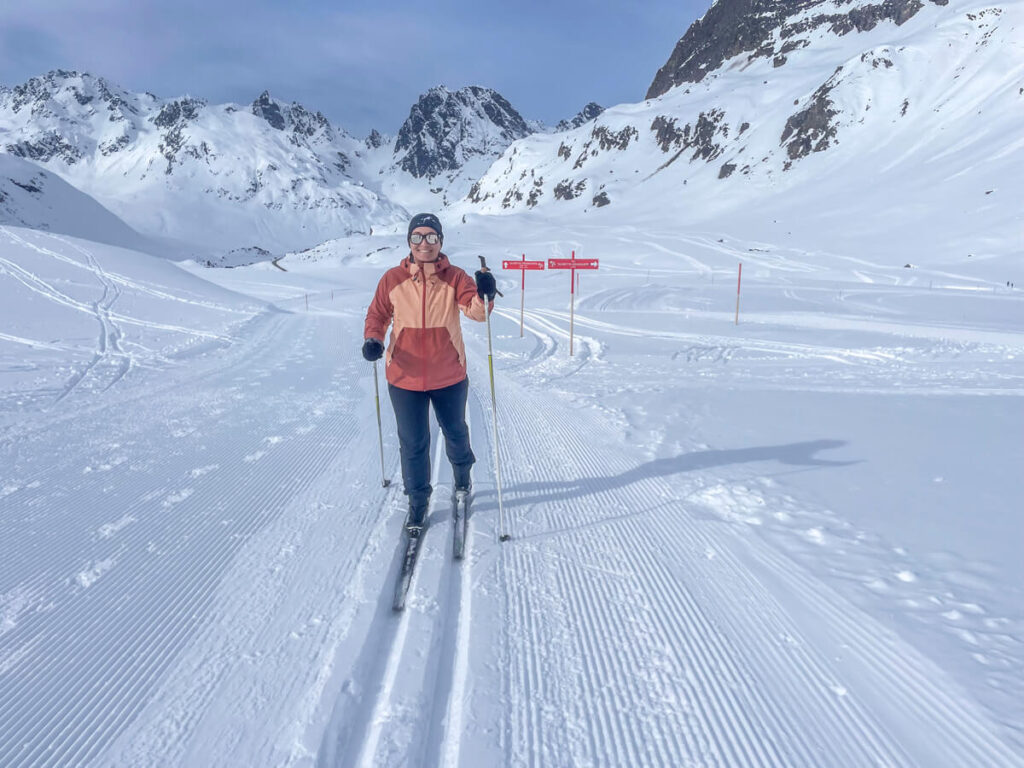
{"points": [[635, 632], [115, 603], [110, 362], [402, 701]]}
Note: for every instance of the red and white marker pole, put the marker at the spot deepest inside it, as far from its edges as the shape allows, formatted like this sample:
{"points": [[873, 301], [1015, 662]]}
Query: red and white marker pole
{"points": [[522, 265], [522, 298], [572, 304], [572, 264]]}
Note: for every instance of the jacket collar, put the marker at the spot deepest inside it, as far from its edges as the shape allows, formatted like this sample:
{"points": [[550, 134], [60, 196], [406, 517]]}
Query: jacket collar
{"points": [[427, 269]]}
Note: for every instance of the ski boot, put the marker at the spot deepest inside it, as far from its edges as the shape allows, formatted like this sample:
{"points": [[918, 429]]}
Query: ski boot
{"points": [[463, 483], [416, 520]]}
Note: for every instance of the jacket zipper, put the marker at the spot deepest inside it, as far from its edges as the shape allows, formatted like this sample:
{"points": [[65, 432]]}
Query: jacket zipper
{"points": [[423, 355]]}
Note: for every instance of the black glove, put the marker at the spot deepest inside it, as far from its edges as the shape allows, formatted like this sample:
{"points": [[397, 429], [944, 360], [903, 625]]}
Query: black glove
{"points": [[486, 287], [373, 349]]}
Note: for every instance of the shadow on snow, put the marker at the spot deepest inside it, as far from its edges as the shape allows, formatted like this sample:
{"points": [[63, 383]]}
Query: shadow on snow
{"points": [[795, 454]]}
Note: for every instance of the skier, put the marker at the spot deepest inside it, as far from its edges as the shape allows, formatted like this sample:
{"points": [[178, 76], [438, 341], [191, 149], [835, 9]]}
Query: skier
{"points": [[426, 359]]}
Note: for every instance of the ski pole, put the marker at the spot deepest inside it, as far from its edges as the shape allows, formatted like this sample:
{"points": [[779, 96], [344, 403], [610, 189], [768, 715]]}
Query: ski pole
{"points": [[380, 432], [503, 536]]}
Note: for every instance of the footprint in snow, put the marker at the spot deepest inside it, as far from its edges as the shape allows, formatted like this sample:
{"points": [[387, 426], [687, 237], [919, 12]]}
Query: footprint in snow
{"points": [[92, 574], [177, 498], [10, 488], [108, 530], [12, 605], [815, 535], [105, 466]]}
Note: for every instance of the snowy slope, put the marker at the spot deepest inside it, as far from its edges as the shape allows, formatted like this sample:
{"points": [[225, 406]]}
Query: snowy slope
{"points": [[790, 542], [32, 197], [79, 316], [873, 131]]}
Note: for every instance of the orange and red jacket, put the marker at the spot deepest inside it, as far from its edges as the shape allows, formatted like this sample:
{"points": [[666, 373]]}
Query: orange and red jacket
{"points": [[423, 301]]}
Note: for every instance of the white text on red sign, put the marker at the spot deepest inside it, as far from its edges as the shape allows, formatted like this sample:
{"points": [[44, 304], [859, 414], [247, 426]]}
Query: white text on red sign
{"points": [[522, 265], [572, 263]]}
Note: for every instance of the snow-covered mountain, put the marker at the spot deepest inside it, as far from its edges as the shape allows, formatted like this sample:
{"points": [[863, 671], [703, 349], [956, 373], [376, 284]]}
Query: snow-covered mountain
{"points": [[251, 179], [886, 112], [267, 175], [448, 140]]}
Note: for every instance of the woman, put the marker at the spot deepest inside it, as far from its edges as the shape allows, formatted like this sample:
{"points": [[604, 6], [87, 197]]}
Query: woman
{"points": [[426, 360]]}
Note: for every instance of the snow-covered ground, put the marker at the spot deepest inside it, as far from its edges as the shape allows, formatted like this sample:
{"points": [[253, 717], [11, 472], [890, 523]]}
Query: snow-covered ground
{"points": [[791, 541]]}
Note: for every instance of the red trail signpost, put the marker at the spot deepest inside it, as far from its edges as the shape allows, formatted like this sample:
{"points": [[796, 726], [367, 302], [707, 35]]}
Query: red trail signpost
{"points": [[522, 265], [572, 264]]}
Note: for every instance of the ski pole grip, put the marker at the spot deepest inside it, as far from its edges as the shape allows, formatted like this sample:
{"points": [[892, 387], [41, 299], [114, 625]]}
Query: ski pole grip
{"points": [[484, 268]]}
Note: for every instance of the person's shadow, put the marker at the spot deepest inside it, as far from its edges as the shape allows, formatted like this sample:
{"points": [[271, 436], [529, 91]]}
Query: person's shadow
{"points": [[794, 454]]}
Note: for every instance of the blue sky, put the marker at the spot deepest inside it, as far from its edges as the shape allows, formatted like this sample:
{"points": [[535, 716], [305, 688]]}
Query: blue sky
{"points": [[362, 64]]}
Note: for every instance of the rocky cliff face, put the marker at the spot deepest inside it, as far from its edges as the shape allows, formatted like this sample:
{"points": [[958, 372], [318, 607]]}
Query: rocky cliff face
{"points": [[770, 30], [445, 129]]}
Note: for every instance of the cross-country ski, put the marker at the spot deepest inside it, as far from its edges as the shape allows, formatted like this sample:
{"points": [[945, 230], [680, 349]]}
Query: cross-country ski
{"points": [[412, 540], [460, 521]]}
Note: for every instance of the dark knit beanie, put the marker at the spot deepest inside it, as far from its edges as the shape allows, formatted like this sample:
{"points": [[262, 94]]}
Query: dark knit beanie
{"points": [[425, 220]]}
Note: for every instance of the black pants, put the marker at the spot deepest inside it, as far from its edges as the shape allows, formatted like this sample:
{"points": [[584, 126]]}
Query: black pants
{"points": [[413, 417]]}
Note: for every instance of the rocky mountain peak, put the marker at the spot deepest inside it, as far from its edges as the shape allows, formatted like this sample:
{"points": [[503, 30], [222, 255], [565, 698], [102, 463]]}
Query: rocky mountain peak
{"points": [[178, 112], [446, 128], [269, 110], [62, 93], [769, 29], [293, 117], [585, 115]]}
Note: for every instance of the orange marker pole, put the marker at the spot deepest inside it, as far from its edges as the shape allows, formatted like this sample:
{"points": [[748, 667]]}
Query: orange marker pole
{"points": [[739, 277]]}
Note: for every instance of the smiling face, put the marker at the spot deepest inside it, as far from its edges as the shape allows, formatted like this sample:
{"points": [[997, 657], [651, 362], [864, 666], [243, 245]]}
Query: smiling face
{"points": [[424, 251]]}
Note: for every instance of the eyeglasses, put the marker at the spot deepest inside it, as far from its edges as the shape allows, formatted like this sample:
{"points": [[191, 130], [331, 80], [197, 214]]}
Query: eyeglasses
{"points": [[432, 238]]}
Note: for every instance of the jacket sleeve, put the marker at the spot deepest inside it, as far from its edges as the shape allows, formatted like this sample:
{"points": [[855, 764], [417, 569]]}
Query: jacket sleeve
{"points": [[378, 316], [470, 303]]}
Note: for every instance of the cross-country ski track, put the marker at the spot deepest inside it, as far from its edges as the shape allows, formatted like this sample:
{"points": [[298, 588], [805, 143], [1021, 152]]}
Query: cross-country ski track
{"points": [[205, 575]]}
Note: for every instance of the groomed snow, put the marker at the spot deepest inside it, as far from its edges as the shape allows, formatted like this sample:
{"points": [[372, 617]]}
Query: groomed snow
{"points": [[792, 541]]}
